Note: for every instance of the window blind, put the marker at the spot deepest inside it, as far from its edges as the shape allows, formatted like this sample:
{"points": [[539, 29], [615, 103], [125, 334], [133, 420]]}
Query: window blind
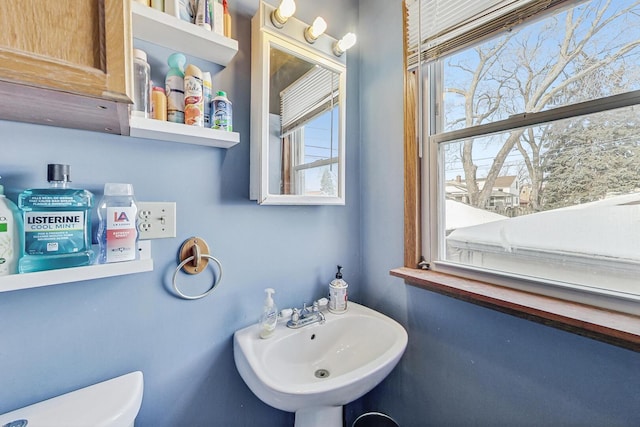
{"points": [[313, 93], [438, 27]]}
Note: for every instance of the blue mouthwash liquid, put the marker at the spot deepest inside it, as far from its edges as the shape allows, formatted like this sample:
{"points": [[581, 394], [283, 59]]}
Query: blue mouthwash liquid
{"points": [[57, 224]]}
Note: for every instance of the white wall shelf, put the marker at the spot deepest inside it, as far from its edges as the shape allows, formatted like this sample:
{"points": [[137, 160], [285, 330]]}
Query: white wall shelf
{"points": [[177, 132], [16, 282], [172, 33], [165, 30]]}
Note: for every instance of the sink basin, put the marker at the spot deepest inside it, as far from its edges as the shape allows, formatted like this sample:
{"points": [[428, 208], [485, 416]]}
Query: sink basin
{"points": [[314, 370]]}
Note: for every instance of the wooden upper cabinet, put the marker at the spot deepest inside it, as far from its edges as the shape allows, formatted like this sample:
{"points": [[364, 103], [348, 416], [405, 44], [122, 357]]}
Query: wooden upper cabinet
{"points": [[66, 63]]}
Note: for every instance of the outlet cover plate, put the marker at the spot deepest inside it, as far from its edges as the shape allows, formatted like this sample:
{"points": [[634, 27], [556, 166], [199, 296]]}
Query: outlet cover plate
{"points": [[156, 220]]}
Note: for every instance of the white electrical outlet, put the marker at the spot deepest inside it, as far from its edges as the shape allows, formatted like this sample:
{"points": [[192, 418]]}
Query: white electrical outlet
{"points": [[156, 220]]}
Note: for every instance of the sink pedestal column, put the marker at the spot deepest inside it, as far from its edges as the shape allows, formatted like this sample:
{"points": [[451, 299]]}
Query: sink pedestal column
{"points": [[321, 416]]}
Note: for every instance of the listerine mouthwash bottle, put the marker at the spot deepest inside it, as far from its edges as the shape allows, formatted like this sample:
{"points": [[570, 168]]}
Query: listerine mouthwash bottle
{"points": [[57, 224]]}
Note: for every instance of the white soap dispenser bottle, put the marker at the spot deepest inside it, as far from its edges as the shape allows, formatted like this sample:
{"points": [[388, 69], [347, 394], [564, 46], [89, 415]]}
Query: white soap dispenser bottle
{"points": [[269, 317], [338, 294]]}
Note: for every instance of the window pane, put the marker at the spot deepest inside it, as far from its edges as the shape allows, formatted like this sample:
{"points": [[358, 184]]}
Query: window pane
{"points": [[321, 136], [309, 147], [316, 172], [579, 54], [320, 181], [557, 202]]}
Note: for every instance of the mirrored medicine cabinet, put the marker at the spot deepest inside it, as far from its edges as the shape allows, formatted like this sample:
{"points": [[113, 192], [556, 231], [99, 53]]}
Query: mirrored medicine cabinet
{"points": [[297, 115]]}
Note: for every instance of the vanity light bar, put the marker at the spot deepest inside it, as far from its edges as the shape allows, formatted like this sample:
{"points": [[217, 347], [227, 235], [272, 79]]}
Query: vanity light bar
{"points": [[287, 8]]}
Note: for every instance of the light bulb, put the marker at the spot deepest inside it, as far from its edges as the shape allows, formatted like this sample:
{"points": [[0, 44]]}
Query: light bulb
{"points": [[285, 11], [287, 8], [315, 30], [344, 43]]}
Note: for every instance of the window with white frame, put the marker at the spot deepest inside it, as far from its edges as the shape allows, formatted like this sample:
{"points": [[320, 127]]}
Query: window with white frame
{"points": [[309, 122], [531, 142], [312, 157]]}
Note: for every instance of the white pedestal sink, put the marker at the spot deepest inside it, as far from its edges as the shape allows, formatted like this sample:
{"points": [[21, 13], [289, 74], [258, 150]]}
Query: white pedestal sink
{"points": [[315, 370]]}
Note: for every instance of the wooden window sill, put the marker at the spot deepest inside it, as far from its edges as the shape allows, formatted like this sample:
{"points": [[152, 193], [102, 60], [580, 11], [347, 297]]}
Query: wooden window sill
{"points": [[612, 327]]}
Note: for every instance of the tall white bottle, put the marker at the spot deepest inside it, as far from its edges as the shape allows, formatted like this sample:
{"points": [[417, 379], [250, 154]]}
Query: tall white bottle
{"points": [[269, 318], [117, 232], [207, 97], [174, 88], [141, 83], [338, 294], [10, 232]]}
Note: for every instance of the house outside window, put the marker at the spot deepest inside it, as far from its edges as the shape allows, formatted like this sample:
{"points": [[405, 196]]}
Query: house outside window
{"points": [[531, 148]]}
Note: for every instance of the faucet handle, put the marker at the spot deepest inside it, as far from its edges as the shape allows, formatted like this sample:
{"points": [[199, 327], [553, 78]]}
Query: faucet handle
{"points": [[305, 309], [295, 316], [316, 307]]}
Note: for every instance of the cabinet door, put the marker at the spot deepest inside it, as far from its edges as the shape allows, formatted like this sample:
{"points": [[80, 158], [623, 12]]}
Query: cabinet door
{"points": [[76, 46], [66, 63]]}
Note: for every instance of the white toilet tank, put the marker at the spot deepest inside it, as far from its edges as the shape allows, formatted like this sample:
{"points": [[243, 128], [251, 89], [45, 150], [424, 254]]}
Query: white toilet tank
{"points": [[112, 403]]}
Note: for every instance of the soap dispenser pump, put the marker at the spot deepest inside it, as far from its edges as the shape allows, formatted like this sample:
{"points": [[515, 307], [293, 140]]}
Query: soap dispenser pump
{"points": [[269, 318], [338, 294]]}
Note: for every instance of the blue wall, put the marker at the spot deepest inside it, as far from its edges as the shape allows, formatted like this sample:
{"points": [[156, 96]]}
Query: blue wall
{"points": [[59, 338], [465, 365]]}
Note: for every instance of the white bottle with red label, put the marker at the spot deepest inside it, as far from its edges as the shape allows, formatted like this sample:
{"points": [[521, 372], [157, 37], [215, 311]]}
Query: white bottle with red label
{"points": [[117, 231]]}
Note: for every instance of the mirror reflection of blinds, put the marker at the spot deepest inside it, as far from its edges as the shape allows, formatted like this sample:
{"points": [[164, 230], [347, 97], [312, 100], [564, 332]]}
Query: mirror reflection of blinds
{"points": [[308, 97], [445, 26]]}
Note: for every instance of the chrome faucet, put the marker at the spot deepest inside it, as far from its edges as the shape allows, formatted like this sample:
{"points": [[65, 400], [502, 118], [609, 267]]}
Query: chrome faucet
{"points": [[305, 317]]}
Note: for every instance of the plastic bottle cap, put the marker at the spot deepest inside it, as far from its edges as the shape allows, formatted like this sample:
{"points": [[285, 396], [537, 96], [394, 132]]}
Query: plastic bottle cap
{"points": [[140, 54], [159, 89], [177, 60], [118, 189], [269, 301], [222, 93], [57, 172], [286, 312], [193, 71]]}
